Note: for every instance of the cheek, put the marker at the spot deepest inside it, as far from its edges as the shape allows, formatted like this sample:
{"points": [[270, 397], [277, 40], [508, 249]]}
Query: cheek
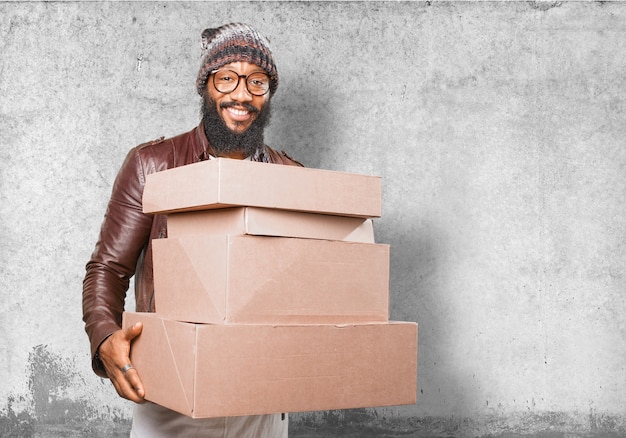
{"points": [[213, 93], [264, 99], [260, 101]]}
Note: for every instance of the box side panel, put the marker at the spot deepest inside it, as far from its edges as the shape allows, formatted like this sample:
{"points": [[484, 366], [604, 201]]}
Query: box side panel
{"points": [[249, 370], [283, 223], [270, 280], [283, 280], [207, 222], [164, 357], [364, 233], [190, 278]]}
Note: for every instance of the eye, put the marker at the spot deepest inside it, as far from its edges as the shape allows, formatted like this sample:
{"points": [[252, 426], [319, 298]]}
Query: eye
{"points": [[225, 77], [258, 80]]}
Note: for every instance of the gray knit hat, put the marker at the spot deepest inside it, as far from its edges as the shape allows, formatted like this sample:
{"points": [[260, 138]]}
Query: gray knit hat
{"points": [[232, 43]]}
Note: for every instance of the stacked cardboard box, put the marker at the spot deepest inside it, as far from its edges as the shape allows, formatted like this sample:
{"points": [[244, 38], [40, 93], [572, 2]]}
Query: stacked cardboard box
{"points": [[271, 295]]}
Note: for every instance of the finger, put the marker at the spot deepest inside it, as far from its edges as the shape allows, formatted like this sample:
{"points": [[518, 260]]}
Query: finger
{"points": [[133, 331], [132, 377], [125, 390], [128, 385]]}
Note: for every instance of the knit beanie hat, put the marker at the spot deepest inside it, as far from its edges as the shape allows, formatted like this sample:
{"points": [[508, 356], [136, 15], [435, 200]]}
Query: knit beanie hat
{"points": [[232, 43]]}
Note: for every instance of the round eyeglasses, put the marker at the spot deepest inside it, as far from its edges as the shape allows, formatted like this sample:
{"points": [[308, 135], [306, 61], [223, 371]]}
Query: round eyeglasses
{"points": [[227, 81]]}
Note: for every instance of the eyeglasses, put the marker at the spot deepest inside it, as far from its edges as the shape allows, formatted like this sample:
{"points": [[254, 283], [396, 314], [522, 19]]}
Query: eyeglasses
{"points": [[227, 81]]}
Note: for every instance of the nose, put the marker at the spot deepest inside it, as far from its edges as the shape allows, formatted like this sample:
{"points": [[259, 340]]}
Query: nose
{"points": [[241, 93]]}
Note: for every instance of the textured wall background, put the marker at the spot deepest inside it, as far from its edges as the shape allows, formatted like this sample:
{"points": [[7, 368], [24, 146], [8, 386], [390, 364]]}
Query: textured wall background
{"points": [[498, 129]]}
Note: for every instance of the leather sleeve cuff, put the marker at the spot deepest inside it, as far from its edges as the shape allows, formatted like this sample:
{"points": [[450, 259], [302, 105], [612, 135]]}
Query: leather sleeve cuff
{"points": [[96, 362]]}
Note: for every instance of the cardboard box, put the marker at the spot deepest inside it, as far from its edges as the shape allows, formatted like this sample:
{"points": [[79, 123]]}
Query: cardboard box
{"points": [[257, 280], [225, 182], [205, 370], [268, 222]]}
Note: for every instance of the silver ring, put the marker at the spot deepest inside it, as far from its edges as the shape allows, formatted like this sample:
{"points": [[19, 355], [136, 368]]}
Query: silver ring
{"points": [[126, 368]]}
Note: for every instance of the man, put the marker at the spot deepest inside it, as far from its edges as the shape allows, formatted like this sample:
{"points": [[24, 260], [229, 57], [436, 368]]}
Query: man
{"points": [[236, 81]]}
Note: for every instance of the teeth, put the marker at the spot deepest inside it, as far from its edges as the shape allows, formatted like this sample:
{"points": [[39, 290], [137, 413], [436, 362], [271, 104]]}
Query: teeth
{"points": [[238, 112]]}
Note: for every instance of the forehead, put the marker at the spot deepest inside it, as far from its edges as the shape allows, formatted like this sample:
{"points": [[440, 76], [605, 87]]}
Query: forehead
{"points": [[242, 67]]}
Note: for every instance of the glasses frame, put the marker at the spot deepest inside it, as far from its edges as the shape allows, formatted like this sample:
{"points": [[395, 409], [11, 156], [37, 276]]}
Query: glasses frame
{"points": [[239, 77]]}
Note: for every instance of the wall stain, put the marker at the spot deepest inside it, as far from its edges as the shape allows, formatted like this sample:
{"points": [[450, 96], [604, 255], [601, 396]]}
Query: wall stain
{"points": [[14, 424], [54, 407], [51, 379]]}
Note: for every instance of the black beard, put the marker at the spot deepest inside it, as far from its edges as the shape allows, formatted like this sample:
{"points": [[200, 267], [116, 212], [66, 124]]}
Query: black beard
{"points": [[223, 140]]}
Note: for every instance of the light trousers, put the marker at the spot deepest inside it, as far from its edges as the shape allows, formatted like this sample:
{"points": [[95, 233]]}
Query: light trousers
{"points": [[154, 421]]}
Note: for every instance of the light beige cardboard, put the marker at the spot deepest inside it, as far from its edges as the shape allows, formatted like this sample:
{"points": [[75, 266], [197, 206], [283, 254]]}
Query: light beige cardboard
{"points": [[269, 222], [255, 280], [225, 182], [205, 370]]}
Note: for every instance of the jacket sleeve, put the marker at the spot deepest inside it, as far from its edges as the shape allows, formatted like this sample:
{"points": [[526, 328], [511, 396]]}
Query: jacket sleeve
{"points": [[124, 233]]}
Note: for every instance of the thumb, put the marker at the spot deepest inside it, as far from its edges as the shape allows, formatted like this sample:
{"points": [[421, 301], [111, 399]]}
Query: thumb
{"points": [[133, 331]]}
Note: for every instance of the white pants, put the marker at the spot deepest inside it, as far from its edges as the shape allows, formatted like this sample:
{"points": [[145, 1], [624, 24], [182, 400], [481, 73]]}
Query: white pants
{"points": [[154, 421]]}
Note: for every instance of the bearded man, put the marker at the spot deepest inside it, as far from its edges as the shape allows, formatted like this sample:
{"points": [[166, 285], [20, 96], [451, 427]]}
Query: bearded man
{"points": [[236, 81]]}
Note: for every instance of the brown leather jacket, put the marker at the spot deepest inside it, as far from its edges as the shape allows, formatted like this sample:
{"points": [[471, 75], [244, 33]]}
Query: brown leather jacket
{"points": [[124, 247]]}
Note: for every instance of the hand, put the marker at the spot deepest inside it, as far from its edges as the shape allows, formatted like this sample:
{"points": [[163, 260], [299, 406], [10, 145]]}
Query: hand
{"points": [[115, 354]]}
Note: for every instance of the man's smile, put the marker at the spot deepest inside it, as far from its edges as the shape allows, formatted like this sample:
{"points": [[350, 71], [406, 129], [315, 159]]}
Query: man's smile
{"points": [[238, 112]]}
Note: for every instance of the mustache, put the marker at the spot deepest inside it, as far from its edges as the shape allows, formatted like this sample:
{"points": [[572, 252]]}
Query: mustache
{"points": [[245, 105]]}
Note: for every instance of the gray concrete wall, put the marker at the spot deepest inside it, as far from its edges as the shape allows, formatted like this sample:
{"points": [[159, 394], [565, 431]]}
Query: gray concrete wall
{"points": [[498, 129]]}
